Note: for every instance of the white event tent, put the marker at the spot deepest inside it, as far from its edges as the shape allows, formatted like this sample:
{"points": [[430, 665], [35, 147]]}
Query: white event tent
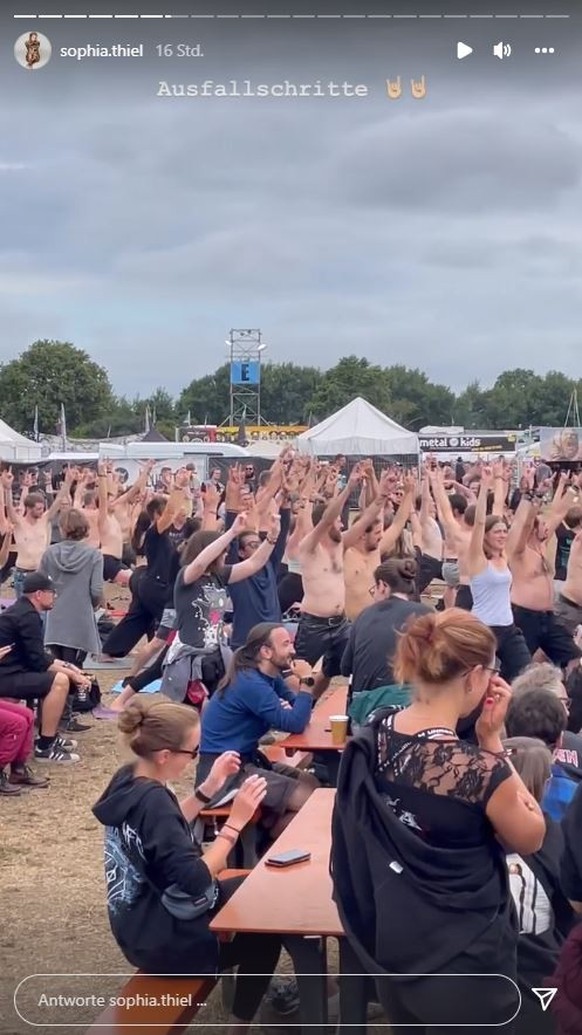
{"points": [[358, 429], [17, 448]]}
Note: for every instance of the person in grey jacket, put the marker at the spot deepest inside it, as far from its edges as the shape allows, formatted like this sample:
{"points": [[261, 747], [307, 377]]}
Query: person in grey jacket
{"points": [[77, 573]]}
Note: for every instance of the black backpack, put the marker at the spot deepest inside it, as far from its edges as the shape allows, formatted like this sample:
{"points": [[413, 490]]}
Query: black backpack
{"points": [[85, 700]]}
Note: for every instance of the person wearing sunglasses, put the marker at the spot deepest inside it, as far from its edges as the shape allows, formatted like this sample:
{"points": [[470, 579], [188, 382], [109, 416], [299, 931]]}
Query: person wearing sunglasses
{"points": [[162, 889]]}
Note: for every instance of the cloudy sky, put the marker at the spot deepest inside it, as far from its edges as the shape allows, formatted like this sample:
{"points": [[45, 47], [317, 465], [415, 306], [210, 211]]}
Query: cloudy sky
{"points": [[444, 233]]}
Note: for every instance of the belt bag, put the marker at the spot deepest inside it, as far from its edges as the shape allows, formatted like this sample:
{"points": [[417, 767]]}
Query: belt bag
{"points": [[182, 906]]}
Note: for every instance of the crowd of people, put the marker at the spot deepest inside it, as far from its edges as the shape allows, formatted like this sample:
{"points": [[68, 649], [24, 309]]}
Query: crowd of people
{"points": [[450, 600]]}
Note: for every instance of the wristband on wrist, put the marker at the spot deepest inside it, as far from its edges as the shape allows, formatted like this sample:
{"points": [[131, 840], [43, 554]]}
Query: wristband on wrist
{"points": [[227, 837], [204, 798], [229, 826]]}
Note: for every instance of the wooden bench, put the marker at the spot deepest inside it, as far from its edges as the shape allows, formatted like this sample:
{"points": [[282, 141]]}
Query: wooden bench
{"points": [[190, 995]]}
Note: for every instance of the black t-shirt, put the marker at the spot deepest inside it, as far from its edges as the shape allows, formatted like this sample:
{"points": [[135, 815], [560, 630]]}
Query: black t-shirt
{"points": [[160, 553], [372, 643], [177, 536], [200, 608]]}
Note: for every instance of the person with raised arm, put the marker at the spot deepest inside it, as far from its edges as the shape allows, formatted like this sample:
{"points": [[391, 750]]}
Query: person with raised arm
{"points": [[32, 527], [532, 591], [198, 657], [153, 587], [491, 582]]}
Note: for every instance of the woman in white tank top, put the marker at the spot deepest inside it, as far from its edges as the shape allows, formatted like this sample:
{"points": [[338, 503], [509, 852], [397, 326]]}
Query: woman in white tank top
{"points": [[491, 583]]}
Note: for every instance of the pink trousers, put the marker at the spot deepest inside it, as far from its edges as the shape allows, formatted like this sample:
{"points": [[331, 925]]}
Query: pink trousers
{"points": [[16, 732]]}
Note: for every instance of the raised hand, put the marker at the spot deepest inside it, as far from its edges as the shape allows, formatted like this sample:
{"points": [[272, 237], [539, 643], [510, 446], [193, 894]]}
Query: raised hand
{"points": [[240, 523], [492, 718], [225, 766], [387, 483], [181, 478], [211, 497], [247, 801]]}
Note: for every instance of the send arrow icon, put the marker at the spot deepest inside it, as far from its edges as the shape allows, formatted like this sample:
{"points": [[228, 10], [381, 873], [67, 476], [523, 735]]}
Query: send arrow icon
{"points": [[545, 996]]}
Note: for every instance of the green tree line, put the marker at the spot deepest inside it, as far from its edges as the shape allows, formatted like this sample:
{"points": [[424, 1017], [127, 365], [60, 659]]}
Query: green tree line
{"points": [[54, 373]]}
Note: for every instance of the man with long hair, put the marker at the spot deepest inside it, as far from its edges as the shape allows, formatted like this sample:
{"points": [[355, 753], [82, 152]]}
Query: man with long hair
{"points": [[264, 689]]}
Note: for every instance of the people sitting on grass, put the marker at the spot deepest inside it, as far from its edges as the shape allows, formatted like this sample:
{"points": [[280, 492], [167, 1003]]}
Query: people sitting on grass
{"points": [[162, 890], [16, 746], [264, 690], [28, 672]]}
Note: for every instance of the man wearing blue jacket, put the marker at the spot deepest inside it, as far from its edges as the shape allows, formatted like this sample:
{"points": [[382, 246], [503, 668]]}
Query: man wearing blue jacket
{"points": [[265, 689], [255, 599]]}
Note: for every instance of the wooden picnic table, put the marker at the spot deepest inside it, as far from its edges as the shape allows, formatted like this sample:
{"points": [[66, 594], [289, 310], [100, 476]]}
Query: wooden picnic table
{"points": [[316, 736], [296, 903]]}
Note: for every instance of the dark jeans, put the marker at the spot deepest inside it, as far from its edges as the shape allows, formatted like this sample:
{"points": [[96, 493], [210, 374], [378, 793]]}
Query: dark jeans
{"points": [[323, 637], [512, 650], [149, 598], [542, 630], [255, 955]]}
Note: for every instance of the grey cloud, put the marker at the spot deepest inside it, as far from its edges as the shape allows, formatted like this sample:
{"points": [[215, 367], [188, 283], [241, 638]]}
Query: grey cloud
{"points": [[447, 239], [457, 161]]}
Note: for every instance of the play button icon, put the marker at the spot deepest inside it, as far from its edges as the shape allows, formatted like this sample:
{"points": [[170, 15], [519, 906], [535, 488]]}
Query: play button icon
{"points": [[463, 50]]}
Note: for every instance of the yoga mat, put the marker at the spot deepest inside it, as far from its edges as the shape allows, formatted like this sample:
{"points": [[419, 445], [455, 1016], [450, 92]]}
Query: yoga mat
{"points": [[151, 688]]}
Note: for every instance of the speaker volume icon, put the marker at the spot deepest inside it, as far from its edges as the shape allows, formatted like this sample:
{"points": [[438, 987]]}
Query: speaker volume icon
{"points": [[502, 50]]}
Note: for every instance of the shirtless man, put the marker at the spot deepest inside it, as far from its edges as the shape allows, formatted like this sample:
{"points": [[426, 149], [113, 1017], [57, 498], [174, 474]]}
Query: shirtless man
{"points": [[32, 527], [323, 626], [532, 593], [110, 527], [362, 555], [457, 537]]}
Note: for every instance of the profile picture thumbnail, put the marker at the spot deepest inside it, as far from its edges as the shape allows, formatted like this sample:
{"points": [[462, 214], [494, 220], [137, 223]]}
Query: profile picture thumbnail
{"points": [[33, 50]]}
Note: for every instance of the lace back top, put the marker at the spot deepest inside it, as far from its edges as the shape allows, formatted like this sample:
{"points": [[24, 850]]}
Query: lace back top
{"points": [[437, 784]]}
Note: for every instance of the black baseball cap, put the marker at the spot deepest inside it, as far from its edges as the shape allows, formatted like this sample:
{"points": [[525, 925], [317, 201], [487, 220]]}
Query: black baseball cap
{"points": [[37, 582]]}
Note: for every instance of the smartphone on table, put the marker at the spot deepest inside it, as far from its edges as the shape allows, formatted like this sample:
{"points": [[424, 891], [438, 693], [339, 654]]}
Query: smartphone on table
{"points": [[289, 858]]}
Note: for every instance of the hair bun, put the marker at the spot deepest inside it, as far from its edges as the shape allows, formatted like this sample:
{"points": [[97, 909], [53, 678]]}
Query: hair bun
{"points": [[132, 717], [409, 568]]}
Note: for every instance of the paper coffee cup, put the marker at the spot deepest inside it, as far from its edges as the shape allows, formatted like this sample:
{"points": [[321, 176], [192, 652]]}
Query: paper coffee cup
{"points": [[339, 729]]}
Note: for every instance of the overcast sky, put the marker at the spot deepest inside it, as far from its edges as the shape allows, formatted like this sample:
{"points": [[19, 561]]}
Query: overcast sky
{"points": [[444, 233]]}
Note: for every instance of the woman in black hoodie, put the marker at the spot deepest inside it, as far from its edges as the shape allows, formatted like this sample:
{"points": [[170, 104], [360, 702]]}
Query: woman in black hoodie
{"points": [[162, 891]]}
